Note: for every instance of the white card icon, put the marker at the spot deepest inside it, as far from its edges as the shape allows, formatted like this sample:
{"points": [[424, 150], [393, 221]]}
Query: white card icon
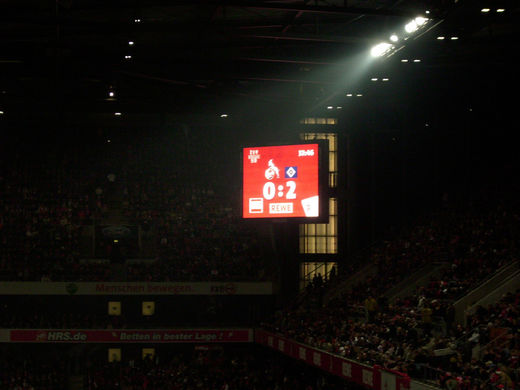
{"points": [[311, 206]]}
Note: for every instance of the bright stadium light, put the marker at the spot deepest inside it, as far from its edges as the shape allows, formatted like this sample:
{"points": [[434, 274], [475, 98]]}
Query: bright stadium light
{"points": [[394, 38], [380, 49], [411, 27], [420, 20]]}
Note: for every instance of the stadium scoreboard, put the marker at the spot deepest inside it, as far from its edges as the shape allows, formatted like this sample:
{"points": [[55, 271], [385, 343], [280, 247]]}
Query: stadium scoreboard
{"points": [[281, 181]]}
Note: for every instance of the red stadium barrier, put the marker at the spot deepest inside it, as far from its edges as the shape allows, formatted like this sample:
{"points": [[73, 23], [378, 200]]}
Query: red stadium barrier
{"points": [[376, 377]]}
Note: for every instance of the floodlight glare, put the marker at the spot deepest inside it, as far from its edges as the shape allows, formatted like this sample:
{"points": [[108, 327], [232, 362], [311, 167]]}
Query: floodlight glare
{"points": [[380, 49], [411, 27], [394, 38], [484, 10], [420, 20]]}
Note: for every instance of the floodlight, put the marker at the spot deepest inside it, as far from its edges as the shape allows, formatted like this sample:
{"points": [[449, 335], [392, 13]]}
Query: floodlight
{"points": [[420, 20], [394, 38], [380, 49], [411, 27]]}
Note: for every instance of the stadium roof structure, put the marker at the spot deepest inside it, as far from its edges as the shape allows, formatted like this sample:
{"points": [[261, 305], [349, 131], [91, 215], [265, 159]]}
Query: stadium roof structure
{"points": [[94, 57]]}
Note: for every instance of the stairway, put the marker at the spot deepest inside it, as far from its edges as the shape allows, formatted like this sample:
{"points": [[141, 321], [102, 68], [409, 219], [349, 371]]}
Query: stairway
{"points": [[506, 277], [418, 279]]}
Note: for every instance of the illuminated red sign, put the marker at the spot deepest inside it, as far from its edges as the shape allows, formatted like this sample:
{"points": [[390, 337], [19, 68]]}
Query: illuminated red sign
{"points": [[281, 181]]}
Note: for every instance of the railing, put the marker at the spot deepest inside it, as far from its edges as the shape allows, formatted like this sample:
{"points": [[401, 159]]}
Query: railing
{"points": [[504, 335]]}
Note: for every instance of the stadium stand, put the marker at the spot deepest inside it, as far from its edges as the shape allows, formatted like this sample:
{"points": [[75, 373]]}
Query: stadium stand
{"points": [[418, 334]]}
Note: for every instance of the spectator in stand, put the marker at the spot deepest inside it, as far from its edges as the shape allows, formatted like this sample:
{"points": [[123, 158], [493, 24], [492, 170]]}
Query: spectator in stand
{"points": [[370, 308], [402, 336]]}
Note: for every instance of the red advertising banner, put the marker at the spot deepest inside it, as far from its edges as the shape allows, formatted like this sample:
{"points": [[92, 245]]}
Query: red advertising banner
{"points": [[375, 377], [130, 336]]}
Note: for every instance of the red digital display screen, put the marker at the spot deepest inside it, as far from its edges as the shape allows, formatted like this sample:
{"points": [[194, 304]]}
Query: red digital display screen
{"points": [[281, 181]]}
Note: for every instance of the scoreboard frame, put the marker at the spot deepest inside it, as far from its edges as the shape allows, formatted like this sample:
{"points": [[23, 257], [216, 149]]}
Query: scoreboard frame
{"points": [[323, 185]]}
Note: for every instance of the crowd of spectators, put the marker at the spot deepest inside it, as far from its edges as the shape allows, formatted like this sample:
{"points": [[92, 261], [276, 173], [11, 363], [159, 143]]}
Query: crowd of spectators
{"points": [[31, 371], [59, 320], [417, 334], [215, 368], [185, 214]]}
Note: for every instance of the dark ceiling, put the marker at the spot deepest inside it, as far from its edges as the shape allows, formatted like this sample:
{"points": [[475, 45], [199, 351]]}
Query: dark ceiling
{"points": [[63, 58]]}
